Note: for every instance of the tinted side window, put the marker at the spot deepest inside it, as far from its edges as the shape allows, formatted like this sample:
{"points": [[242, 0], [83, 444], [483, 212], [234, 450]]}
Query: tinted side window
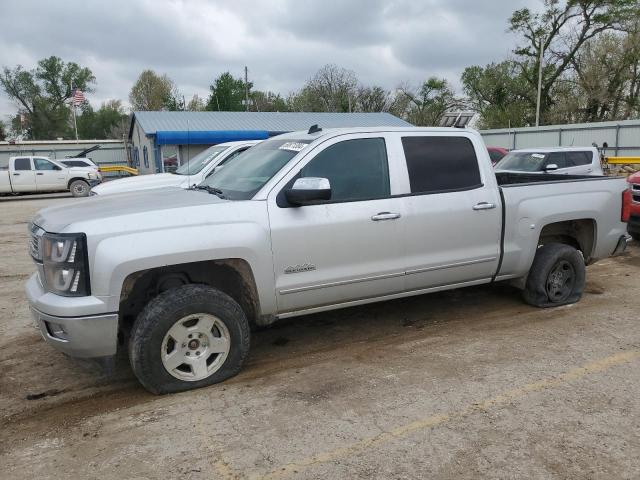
{"points": [[356, 169], [557, 158], [438, 164], [74, 163], [42, 164], [578, 158], [22, 164]]}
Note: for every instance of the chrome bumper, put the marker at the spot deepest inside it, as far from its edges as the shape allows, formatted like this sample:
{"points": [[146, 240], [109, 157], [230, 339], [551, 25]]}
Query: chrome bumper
{"points": [[77, 335]]}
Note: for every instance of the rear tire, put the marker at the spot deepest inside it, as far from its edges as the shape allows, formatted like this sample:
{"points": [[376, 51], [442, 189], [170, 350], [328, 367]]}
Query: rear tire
{"points": [[79, 188], [557, 276], [188, 337]]}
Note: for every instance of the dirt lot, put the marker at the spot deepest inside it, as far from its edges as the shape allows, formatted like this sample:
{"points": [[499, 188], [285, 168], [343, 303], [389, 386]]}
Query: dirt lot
{"points": [[464, 384]]}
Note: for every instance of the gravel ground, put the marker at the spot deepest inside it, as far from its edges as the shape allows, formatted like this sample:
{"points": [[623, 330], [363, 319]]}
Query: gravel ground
{"points": [[470, 383]]}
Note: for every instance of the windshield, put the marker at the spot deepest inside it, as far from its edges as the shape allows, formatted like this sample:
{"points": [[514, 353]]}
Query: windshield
{"points": [[243, 176], [522, 161], [200, 161]]}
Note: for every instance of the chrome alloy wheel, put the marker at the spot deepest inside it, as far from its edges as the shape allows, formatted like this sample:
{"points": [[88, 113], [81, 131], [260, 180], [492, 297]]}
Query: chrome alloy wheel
{"points": [[195, 347]]}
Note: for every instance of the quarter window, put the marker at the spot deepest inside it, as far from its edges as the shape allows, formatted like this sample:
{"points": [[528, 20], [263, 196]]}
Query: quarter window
{"points": [[440, 164], [356, 169], [22, 164]]}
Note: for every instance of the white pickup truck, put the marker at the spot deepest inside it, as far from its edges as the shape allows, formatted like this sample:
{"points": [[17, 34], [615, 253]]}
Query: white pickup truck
{"points": [[558, 160], [28, 174], [302, 223], [187, 175]]}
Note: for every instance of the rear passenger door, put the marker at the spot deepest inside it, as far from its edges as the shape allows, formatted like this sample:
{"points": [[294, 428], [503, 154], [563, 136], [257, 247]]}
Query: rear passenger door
{"points": [[23, 177], [452, 222]]}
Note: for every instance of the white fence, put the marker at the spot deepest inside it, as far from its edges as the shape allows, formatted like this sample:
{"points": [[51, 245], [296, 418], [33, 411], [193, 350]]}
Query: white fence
{"points": [[623, 138]]}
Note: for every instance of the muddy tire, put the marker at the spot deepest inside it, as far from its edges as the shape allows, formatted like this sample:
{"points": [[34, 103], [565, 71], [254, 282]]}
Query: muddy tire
{"points": [[188, 337], [556, 277], [79, 188]]}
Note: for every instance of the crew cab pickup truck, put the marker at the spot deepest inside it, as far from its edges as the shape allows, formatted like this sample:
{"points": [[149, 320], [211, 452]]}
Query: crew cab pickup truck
{"points": [[26, 174], [302, 223], [559, 160], [187, 175]]}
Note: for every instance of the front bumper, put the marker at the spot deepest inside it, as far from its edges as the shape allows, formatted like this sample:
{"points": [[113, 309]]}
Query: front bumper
{"points": [[78, 335]]}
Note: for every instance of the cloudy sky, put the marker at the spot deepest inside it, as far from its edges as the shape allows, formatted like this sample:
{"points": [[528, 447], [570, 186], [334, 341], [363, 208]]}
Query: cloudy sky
{"points": [[283, 42]]}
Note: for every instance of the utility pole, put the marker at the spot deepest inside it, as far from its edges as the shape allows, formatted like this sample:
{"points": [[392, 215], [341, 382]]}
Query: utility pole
{"points": [[246, 87], [73, 108], [540, 67]]}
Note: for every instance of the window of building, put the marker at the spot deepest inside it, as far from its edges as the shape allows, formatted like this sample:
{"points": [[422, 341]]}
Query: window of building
{"points": [[136, 157], [145, 156], [438, 164], [22, 164], [356, 169]]}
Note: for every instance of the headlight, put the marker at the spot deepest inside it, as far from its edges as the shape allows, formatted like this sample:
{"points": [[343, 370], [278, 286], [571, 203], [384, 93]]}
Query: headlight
{"points": [[91, 175], [64, 256]]}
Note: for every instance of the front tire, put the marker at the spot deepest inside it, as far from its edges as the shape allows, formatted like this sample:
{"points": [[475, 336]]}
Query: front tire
{"points": [[79, 188], [188, 337], [557, 276]]}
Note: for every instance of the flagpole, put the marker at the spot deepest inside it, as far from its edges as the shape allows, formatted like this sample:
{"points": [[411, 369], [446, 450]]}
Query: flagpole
{"points": [[73, 109]]}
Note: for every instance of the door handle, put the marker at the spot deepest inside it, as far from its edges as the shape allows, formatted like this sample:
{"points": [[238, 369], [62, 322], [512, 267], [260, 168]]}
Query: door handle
{"points": [[39, 173], [484, 206], [16, 174], [385, 216]]}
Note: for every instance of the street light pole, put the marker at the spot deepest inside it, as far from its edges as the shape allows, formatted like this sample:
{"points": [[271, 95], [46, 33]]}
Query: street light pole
{"points": [[540, 66]]}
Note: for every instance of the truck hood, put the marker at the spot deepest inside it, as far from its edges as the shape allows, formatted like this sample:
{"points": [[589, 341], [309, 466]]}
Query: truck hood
{"points": [[56, 219], [143, 182], [635, 178]]}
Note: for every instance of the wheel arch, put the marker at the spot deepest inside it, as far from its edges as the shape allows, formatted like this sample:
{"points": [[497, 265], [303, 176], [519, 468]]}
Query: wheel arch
{"points": [[232, 276], [74, 179], [579, 233]]}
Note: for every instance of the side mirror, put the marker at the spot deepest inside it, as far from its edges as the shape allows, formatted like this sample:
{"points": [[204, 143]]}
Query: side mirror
{"points": [[56, 167], [308, 190], [551, 167]]}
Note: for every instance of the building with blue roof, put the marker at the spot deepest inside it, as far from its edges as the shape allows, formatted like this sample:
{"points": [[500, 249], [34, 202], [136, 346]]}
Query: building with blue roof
{"points": [[162, 141]]}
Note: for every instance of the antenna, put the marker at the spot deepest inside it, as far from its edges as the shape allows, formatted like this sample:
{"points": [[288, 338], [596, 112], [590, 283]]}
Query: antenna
{"points": [[314, 129]]}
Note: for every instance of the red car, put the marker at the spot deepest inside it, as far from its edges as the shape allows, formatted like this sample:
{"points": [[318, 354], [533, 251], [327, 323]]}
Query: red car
{"points": [[496, 154], [633, 226]]}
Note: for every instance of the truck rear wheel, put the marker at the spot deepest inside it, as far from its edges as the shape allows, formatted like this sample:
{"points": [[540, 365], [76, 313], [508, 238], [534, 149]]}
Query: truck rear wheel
{"points": [[556, 277], [188, 337], [79, 188]]}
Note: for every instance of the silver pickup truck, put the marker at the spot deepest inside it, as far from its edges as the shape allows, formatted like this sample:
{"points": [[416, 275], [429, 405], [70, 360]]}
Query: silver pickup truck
{"points": [[302, 223]]}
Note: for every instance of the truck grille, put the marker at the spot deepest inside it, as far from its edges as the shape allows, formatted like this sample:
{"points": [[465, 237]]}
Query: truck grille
{"points": [[635, 192], [34, 242]]}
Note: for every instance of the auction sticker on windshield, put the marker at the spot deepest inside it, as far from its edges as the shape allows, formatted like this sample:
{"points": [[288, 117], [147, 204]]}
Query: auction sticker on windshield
{"points": [[537, 155], [293, 146]]}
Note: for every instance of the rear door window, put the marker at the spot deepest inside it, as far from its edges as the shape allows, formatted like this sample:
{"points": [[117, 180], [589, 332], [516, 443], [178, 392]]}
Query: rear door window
{"points": [[576, 159], [441, 164], [23, 163]]}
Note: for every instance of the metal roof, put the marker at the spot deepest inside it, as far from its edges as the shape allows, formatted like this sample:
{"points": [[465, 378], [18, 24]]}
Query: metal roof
{"points": [[273, 122]]}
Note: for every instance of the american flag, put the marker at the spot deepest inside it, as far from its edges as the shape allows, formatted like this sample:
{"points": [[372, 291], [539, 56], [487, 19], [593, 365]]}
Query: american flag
{"points": [[78, 97]]}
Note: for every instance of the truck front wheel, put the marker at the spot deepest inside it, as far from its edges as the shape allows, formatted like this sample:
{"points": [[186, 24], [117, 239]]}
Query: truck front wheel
{"points": [[79, 188], [188, 337], [556, 277]]}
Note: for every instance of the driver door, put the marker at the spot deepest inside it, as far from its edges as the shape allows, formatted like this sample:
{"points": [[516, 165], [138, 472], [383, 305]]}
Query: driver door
{"points": [[49, 176], [349, 247]]}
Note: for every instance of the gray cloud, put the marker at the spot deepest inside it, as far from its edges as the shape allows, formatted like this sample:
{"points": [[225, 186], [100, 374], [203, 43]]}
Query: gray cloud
{"points": [[282, 41]]}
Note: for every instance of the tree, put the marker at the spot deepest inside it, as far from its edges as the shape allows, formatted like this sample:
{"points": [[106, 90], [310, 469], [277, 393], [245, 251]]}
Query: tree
{"points": [[152, 92], [373, 99], [3, 131], [227, 94], [196, 104], [331, 89], [561, 30], [500, 94], [110, 121], [42, 95], [427, 105], [267, 102]]}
